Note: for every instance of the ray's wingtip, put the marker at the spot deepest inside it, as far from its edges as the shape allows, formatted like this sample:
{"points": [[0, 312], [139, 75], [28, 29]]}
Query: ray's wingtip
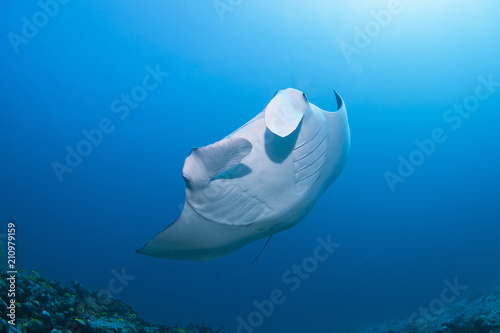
{"points": [[138, 251], [338, 99]]}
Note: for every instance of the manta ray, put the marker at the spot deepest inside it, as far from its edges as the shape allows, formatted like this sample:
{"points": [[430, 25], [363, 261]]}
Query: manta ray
{"points": [[261, 179]]}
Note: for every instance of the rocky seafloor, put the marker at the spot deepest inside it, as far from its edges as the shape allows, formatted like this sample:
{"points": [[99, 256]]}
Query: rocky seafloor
{"points": [[42, 305], [478, 313]]}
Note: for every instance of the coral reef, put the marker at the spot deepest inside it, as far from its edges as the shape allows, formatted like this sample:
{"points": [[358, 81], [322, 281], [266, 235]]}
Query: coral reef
{"points": [[479, 313], [42, 305]]}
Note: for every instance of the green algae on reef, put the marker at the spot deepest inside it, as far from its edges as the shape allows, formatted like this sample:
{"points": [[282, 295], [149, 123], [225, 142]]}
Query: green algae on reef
{"points": [[42, 305]]}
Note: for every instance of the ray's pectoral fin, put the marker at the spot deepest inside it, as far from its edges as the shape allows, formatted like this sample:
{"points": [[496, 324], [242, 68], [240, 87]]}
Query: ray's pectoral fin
{"points": [[205, 163], [282, 116]]}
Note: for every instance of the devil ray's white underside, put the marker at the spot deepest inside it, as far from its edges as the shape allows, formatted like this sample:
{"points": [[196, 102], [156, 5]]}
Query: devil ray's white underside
{"points": [[262, 179]]}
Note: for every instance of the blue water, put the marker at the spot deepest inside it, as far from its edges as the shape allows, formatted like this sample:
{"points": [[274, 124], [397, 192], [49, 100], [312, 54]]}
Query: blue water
{"points": [[401, 232]]}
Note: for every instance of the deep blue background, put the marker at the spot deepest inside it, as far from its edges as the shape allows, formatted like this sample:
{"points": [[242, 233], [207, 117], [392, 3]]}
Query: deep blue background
{"points": [[396, 247]]}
